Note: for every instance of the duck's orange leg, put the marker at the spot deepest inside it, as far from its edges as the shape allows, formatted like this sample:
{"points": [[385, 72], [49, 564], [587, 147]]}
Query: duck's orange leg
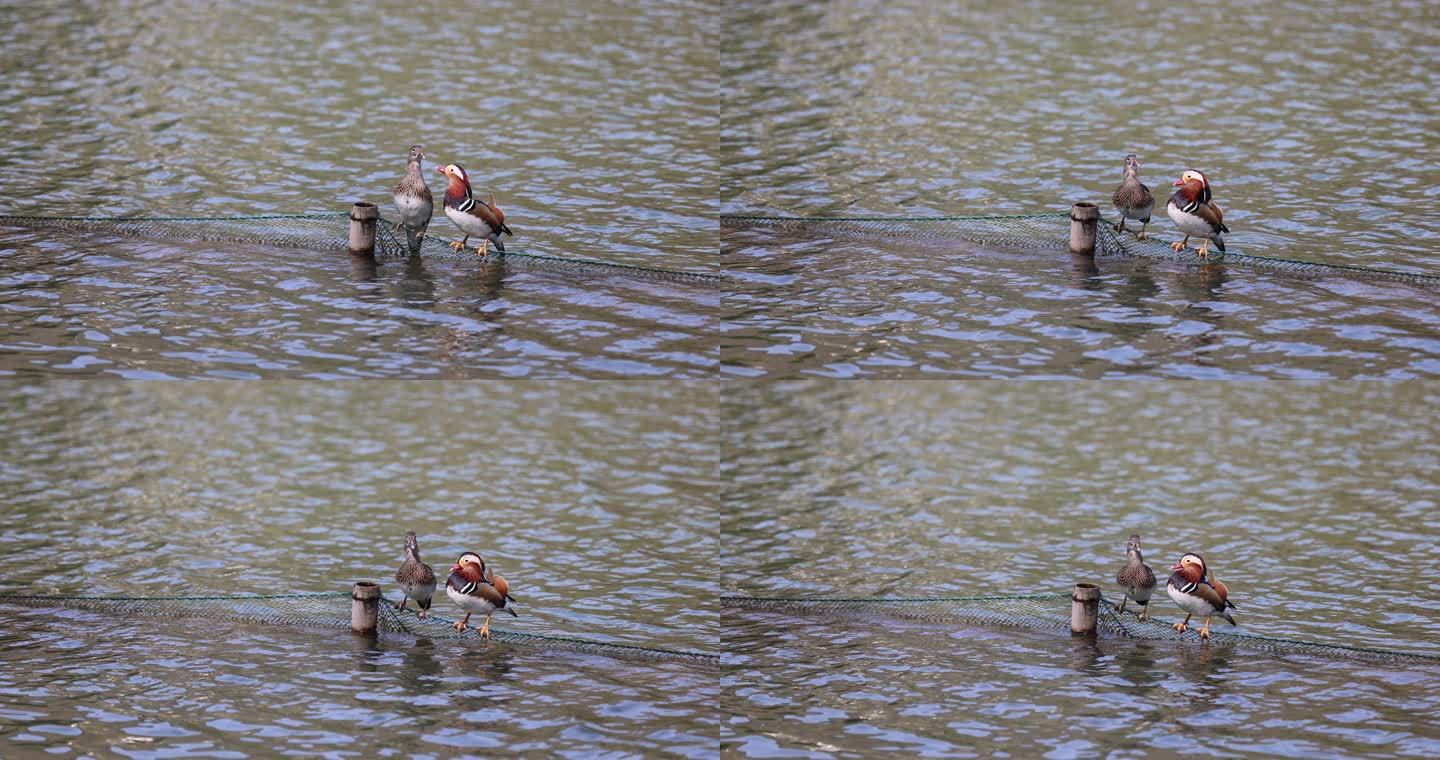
{"points": [[485, 629], [460, 625], [1178, 247], [1181, 627]]}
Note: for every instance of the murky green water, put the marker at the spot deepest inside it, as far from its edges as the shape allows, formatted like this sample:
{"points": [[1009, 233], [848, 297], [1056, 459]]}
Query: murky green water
{"points": [[594, 126], [1314, 503], [596, 503], [1313, 123]]}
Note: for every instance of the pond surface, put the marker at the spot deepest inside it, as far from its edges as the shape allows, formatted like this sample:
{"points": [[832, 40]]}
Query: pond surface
{"points": [[595, 502], [594, 126], [1315, 504], [1317, 148]]}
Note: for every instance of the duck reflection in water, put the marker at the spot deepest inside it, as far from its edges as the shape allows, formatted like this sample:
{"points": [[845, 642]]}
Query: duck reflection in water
{"points": [[416, 288], [486, 286], [421, 673]]}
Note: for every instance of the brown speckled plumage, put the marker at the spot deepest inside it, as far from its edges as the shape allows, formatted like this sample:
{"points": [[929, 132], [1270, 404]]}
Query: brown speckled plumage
{"points": [[413, 202], [415, 578], [1132, 198], [1136, 578]]}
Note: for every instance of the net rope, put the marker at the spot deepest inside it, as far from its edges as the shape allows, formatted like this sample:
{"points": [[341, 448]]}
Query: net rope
{"points": [[321, 231], [1051, 611], [1048, 232], [332, 610]]}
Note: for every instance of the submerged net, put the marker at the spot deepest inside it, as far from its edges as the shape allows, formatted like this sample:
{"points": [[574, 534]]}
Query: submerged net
{"points": [[1047, 232], [1052, 612], [332, 610], [322, 231]]}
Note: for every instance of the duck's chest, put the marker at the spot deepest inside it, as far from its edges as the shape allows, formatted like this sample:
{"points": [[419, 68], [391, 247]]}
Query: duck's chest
{"points": [[1192, 603], [467, 602], [1192, 224], [413, 204], [468, 222]]}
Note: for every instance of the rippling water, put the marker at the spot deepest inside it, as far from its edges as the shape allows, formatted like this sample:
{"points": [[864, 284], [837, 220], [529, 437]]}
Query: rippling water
{"points": [[851, 308], [1315, 504], [1313, 123], [593, 125], [594, 501]]}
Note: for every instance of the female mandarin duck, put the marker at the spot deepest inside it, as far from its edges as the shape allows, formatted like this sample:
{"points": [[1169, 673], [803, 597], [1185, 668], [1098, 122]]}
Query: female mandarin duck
{"points": [[1136, 578], [1132, 198], [484, 220], [1190, 588], [416, 578], [413, 202], [1195, 214], [477, 590]]}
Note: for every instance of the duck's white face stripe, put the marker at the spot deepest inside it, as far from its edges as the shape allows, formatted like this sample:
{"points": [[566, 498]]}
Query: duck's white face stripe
{"points": [[469, 559]]}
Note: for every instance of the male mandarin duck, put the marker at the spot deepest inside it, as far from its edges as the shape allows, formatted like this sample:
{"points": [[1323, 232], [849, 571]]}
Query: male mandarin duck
{"points": [[1195, 214], [1132, 198], [485, 220], [477, 590], [1136, 578], [416, 578], [1198, 593], [413, 202]]}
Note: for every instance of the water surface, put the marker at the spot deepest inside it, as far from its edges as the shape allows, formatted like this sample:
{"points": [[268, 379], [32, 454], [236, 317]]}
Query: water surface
{"points": [[1315, 126], [594, 126], [595, 502], [1315, 504]]}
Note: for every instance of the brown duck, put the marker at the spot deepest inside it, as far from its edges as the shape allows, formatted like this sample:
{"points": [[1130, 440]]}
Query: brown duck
{"points": [[415, 578], [1136, 578], [1132, 198], [413, 203]]}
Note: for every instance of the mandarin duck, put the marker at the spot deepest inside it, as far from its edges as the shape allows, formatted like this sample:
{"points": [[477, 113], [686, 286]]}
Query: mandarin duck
{"points": [[477, 590], [413, 202], [1136, 578], [484, 220], [1132, 198], [1195, 214], [416, 578], [1198, 593]]}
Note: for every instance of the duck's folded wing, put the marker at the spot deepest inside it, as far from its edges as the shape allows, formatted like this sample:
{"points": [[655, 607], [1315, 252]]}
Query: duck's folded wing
{"points": [[499, 215], [480, 589], [486, 214], [1208, 593], [1223, 592], [1219, 222], [1206, 211]]}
